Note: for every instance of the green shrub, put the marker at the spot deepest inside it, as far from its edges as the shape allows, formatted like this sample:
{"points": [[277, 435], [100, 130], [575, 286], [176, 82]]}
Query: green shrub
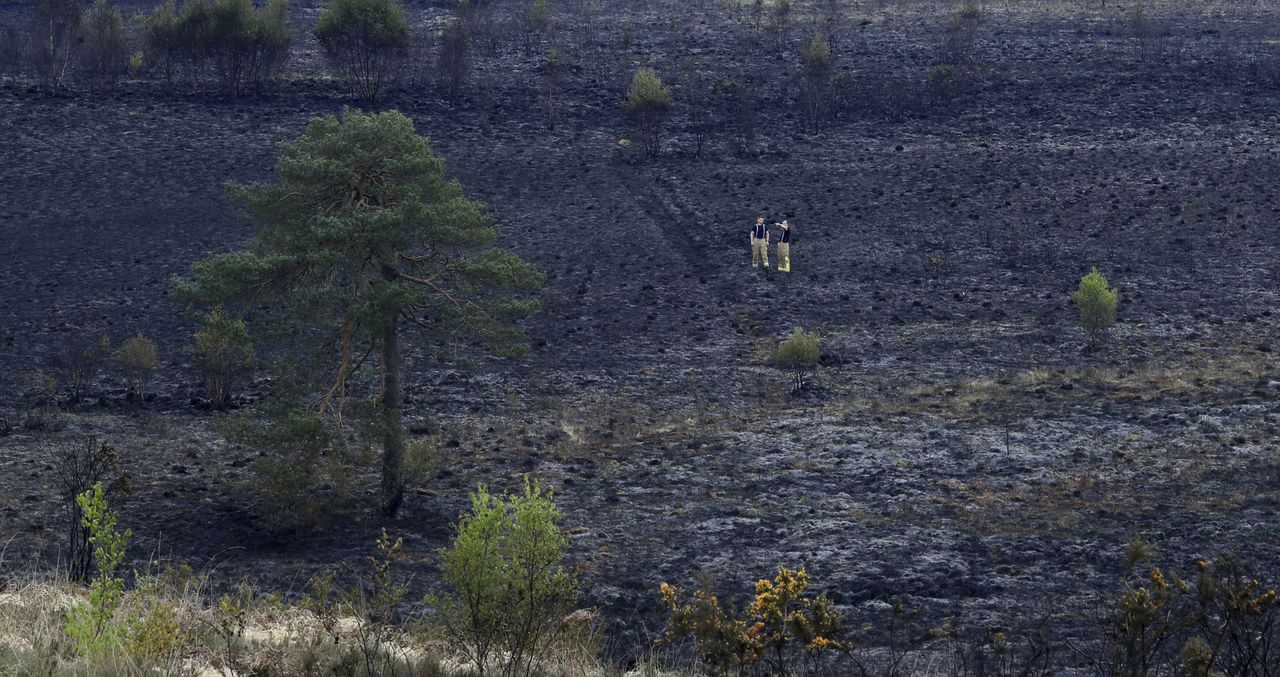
{"points": [[104, 54], [92, 625], [194, 37], [1096, 302], [248, 44], [511, 595], [162, 33], [799, 355], [647, 104], [157, 636], [815, 60], [137, 356], [422, 460], [303, 477], [237, 45], [362, 39], [222, 349]]}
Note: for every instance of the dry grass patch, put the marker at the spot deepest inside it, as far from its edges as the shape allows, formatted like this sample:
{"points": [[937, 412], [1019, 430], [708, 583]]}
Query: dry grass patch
{"points": [[1226, 378]]}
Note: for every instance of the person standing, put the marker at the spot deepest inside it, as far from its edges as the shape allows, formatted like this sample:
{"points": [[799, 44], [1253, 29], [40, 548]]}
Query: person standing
{"points": [[759, 243], [784, 248]]}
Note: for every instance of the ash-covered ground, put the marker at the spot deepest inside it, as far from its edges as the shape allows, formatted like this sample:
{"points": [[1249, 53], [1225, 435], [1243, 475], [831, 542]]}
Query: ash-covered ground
{"points": [[959, 449]]}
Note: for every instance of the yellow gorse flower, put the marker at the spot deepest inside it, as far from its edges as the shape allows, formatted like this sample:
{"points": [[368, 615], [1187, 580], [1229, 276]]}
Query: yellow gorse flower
{"points": [[668, 593]]}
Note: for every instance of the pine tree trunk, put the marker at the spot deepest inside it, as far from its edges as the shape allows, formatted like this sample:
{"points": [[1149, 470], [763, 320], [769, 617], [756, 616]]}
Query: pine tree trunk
{"points": [[393, 432]]}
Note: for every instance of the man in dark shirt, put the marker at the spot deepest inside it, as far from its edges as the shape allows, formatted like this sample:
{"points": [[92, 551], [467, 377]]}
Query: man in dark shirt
{"points": [[784, 248], [759, 243]]}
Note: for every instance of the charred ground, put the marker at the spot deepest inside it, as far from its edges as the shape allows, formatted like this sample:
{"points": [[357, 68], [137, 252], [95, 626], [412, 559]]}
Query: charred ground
{"points": [[960, 450]]}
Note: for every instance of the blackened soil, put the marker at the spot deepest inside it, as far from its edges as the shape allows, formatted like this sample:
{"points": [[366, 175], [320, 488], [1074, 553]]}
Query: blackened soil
{"points": [[956, 450]]}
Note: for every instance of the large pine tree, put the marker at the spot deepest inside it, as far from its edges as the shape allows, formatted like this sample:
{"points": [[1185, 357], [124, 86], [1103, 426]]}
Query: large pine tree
{"points": [[362, 236]]}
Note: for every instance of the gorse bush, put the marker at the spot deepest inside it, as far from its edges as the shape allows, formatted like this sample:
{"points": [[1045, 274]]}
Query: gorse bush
{"points": [[726, 644], [511, 596], [1097, 303], [363, 40], [223, 351], [647, 104], [1227, 623], [799, 354], [784, 629]]}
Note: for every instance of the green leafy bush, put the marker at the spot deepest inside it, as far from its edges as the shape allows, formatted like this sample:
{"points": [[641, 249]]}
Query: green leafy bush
{"points": [[647, 104], [307, 465], [222, 349], [362, 39], [247, 44], [799, 355], [92, 625], [511, 596], [137, 356], [104, 54], [232, 43], [1096, 302], [815, 61], [422, 460], [161, 33]]}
